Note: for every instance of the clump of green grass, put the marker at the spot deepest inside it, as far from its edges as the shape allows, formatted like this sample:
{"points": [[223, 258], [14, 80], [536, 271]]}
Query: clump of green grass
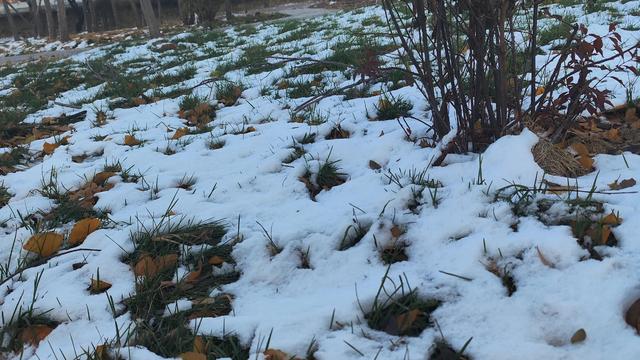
{"points": [[5, 196], [401, 311], [556, 31], [327, 176], [229, 92], [354, 233], [196, 110], [389, 108]]}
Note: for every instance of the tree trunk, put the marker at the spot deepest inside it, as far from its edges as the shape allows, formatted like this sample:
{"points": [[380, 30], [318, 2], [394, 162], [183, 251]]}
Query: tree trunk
{"points": [[114, 10], [228, 10], [63, 30], [150, 18], [51, 27], [134, 10], [88, 25], [12, 25], [180, 9], [159, 8], [92, 13]]}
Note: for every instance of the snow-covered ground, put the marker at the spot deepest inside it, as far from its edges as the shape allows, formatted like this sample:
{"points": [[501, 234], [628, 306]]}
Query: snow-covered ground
{"points": [[447, 225]]}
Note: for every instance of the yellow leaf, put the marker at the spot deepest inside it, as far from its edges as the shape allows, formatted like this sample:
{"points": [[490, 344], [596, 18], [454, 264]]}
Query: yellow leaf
{"points": [[145, 267], [82, 229], [273, 354], [44, 244], [198, 345], [99, 286], [191, 355], [130, 140], [33, 334], [611, 219], [101, 177], [180, 133], [48, 149], [216, 260]]}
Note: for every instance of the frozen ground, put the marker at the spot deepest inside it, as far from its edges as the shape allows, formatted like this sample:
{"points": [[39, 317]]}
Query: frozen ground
{"points": [[306, 270]]}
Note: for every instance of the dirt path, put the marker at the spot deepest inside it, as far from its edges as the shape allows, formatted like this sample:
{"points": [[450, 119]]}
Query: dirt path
{"points": [[293, 11]]}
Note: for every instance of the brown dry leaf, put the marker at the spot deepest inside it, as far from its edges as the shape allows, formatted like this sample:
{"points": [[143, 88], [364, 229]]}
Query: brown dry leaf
{"points": [[82, 229], [130, 140], [274, 354], [199, 345], [180, 133], [580, 149], [34, 334], [611, 219], [192, 355], [44, 244], [165, 262], [99, 286], [374, 165], [102, 352], [396, 231], [543, 259], [48, 149], [613, 135], [606, 232], [145, 267], [101, 177], [539, 90], [249, 130], [202, 314], [586, 162], [216, 260], [193, 276], [632, 316], [626, 183], [400, 324], [579, 336]]}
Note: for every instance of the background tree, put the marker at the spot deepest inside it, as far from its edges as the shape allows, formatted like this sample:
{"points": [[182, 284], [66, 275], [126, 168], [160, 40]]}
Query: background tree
{"points": [[12, 25], [150, 18], [63, 30], [51, 28]]}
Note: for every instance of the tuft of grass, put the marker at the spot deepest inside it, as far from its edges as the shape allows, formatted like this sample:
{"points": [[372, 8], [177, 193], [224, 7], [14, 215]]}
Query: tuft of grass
{"points": [[389, 108], [196, 110], [354, 233], [228, 92], [327, 177]]}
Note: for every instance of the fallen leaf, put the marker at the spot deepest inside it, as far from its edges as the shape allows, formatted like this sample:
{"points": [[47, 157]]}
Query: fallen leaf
{"points": [[33, 334], [165, 262], [44, 244], [632, 316], [130, 140], [101, 177], [48, 149], [249, 130], [99, 286], [586, 162], [543, 259], [605, 234], [396, 231], [145, 267], [273, 354], [400, 324], [102, 352], [180, 133], [216, 260], [580, 149], [374, 165], [199, 345], [193, 275], [611, 219], [192, 355], [613, 135], [539, 90], [579, 336], [627, 183], [82, 229]]}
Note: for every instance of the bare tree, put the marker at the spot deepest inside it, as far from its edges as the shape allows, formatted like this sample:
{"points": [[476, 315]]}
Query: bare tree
{"points": [[150, 18], [51, 28], [114, 10], [228, 10], [159, 8], [134, 10], [88, 25], [12, 25], [63, 30]]}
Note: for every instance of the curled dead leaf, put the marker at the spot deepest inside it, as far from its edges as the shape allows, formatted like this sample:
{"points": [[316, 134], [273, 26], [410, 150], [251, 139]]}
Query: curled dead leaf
{"points": [[130, 140], [145, 267], [632, 316], [627, 183], [99, 286], [44, 244], [180, 133], [579, 336], [374, 165], [611, 219], [33, 334], [82, 229], [48, 149], [101, 177]]}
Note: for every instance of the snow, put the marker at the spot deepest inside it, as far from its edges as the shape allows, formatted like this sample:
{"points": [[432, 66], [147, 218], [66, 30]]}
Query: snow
{"points": [[466, 229]]}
